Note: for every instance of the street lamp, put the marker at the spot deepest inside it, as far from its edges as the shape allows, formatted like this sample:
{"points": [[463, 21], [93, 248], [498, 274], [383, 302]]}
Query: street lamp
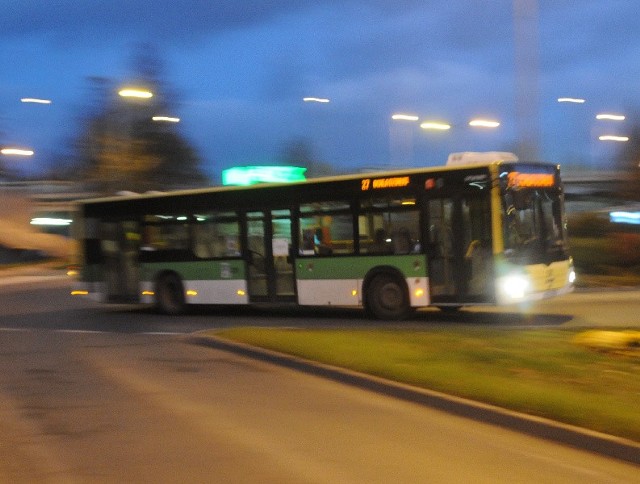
{"points": [[401, 142], [135, 93], [35, 100], [165, 119], [484, 123], [574, 100], [16, 152], [610, 117], [435, 125], [404, 117], [611, 137]]}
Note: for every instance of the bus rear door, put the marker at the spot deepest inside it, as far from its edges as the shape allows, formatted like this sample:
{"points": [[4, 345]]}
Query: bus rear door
{"points": [[120, 242], [270, 274]]}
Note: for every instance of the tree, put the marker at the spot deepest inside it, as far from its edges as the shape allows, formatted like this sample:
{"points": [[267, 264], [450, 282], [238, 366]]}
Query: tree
{"points": [[299, 152], [628, 162], [122, 148]]}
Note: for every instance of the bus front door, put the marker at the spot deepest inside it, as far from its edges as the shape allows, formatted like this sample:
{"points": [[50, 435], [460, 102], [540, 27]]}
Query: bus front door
{"points": [[441, 251], [271, 276], [459, 255]]}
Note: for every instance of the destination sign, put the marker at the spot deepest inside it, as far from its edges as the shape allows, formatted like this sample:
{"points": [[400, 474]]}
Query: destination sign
{"points": [[517, 179], [391, 182]]}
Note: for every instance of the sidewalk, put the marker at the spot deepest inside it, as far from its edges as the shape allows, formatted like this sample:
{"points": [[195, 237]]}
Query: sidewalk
{"points": [[17, 274]]}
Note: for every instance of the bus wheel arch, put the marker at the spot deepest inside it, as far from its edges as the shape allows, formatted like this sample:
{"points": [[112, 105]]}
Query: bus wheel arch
{"points": [[169, 292], [386, 295]]}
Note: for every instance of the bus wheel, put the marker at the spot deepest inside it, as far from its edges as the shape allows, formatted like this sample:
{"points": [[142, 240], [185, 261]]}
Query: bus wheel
{"points": [[170, 294], [387, 298]]}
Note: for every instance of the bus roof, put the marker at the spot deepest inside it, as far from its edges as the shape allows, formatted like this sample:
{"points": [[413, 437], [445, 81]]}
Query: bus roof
{"points": [[484, 161], [467, 158]]}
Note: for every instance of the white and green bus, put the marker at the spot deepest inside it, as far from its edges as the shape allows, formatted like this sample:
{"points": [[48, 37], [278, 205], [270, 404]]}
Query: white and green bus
{"points": [[484, 232]]}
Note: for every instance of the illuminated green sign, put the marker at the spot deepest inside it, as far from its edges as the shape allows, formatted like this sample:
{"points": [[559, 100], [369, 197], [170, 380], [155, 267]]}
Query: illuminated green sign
{"points": [[250, 175]]}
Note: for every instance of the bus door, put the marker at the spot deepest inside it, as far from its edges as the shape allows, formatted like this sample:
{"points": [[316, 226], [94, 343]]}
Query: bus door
{"points": [[120, 242], [459, 249], [270, 272]]}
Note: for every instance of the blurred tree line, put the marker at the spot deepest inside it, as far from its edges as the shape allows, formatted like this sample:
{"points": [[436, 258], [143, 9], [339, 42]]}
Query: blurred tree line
{"points": [[121, 148], [628, 162], [299, 152]]}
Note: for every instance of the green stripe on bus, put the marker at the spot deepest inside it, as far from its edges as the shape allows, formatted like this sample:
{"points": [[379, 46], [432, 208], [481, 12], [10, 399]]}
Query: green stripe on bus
{"points": [[413, 265], [204, 270]]}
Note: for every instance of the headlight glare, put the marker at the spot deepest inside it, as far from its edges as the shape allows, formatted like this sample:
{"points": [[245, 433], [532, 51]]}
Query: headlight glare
{"points": [[515, 286]]}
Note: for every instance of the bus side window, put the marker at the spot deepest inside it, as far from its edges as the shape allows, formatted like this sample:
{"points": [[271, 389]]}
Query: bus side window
{"points": [[380, 244], [306, 248], [202, 241], [326, 228], [322, 243], [402, 243]]}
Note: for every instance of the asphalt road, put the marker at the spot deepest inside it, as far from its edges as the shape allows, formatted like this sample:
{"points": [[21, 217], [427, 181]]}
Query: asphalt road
{"points": [[92, 393]]}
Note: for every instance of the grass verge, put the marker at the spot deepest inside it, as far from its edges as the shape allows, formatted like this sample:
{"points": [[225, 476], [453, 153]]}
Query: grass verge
{"points": [[546, 372]]}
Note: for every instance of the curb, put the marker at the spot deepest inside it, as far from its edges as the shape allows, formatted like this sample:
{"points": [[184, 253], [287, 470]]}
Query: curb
{"points": [[578, 437]]}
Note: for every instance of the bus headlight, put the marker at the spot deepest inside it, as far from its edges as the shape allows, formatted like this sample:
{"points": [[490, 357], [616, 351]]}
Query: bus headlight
{"points": [[514, 286]]}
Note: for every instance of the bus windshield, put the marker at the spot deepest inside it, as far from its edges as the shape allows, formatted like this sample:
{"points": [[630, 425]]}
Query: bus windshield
{"points": [[534, 230]]}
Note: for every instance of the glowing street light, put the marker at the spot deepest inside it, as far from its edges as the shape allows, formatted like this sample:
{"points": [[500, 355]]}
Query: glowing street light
{"points": [[35, 100], [315, 99], [433, 125], [404, 117], [574, 100], [484, 123], [165, 119], [610, 137], [610, 117], [135, 93], [16, 152]]}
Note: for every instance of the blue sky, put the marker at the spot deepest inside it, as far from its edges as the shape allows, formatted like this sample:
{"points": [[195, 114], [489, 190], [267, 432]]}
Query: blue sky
{"points": [[241, 68]]}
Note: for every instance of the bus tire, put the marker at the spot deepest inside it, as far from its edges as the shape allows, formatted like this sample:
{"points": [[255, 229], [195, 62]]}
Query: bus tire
{"points": [[170, 294], [387, 298]]}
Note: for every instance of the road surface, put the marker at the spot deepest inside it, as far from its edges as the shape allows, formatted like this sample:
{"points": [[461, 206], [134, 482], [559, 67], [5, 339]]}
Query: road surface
{"points": [[97, 394]]}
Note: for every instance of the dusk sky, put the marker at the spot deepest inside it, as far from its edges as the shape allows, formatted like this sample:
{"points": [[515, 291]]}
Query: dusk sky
{"points": [[241, 68]]}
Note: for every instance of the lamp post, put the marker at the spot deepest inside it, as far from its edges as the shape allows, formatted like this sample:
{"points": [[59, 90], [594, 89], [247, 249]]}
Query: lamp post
{"points": [[401, 139]]}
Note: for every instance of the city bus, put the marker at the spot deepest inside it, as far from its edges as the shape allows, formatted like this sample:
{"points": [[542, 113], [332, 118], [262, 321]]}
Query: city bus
{"points": [[485, 229]]}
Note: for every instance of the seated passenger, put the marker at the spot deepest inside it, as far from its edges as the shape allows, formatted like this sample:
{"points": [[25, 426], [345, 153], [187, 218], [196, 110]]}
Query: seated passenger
{"points": [[380, 244], [321, 247]]}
